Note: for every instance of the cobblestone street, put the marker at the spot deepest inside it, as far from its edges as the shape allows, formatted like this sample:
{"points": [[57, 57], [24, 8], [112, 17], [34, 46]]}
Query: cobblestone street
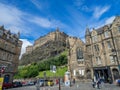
{"points": [[77, 86]]}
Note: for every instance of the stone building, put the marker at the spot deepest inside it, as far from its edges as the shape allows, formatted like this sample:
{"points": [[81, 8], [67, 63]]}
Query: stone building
{"points": [[29, 49], [76, 58], [101, 53], [52, 36], [10, 48]]}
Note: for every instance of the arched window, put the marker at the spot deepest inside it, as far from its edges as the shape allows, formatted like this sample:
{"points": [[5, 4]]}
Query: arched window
{"points": [[88, 74], [115, 73], [79, 54]]}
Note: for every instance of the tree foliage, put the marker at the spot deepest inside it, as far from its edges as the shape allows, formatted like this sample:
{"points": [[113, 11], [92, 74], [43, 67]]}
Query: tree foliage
{"points": [[34, 69]]}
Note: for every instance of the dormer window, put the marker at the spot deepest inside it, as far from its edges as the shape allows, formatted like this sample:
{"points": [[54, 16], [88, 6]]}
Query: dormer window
{"points": [[94, 38]]}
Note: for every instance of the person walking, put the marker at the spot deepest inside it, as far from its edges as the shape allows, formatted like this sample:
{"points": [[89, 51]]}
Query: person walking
{"points": [[98, 83], [93, 83], [73, 80], [37, 85]]}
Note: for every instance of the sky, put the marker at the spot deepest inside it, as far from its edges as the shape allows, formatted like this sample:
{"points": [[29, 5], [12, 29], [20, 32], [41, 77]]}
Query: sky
{"points": [[35, 18]]}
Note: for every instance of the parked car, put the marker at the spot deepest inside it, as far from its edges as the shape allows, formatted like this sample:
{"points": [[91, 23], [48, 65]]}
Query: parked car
{"points": [[24, 83], [50, 83], [7, 85], [30, 83], [117, 82], [43, 82], [17, 84]]}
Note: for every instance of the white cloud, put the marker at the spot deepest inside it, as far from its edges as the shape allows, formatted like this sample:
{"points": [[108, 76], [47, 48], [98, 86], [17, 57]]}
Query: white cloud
{"points": [[99, 11], [24, 45], [37, 4], [10, 16], [43, 22], [46, 23], [110, 20]]}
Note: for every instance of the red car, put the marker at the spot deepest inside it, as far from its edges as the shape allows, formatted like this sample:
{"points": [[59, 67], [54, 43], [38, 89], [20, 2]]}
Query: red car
{"points": [[7, 85]]}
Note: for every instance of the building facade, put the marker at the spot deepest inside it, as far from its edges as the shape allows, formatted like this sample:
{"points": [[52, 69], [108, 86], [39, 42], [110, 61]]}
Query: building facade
{"points": [[10, 48], [76, 58], [101, 53]]}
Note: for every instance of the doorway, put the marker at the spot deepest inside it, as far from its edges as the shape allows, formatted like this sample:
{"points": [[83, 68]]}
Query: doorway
{"points": [[101, 74], [115, 73]]}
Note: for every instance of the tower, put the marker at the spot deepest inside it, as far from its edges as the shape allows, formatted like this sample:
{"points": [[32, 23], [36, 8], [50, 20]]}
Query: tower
{"points": [[87, 36]]}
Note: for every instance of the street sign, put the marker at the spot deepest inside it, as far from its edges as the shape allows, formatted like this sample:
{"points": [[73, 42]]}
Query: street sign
{"points": [[54, 69]]}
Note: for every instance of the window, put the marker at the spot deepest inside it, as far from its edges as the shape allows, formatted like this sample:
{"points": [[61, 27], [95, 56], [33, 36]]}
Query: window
{"points": [[119, 29], [80, 54], [1, 32], [96, 47], [98, 60], [74, 72], [109, 44], [106, 34], [94, 38], [112, 59], [81, 72]]}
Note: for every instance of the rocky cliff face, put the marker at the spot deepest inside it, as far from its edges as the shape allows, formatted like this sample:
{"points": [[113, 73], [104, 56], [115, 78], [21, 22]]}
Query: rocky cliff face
{"points": [[48, 48]]}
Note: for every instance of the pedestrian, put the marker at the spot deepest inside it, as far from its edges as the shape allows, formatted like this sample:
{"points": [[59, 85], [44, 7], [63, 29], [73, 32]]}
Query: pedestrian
{"points": [[73, 80], [57, 81], [109, 80], [37, 85], [93, 83], [98, 83], [102, 82]]}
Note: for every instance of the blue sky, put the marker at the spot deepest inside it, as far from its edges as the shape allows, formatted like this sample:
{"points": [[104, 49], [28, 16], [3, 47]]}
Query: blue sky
{"points": [[35, 18]]}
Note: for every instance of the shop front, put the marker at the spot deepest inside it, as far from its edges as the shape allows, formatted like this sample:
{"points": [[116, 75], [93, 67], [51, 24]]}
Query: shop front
{"points": [[103, 73]]}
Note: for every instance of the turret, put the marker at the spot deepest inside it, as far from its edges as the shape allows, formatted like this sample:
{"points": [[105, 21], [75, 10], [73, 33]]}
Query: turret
{"points": [[87, 36]]}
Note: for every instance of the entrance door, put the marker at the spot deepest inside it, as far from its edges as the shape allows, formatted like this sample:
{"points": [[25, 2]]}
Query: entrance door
{"points": [[106, 75], [115, 73], [88, 74], [102, 74]]}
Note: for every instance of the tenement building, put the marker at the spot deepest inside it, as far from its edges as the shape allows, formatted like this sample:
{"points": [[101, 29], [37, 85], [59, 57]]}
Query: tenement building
{"points": [[99, 56], [10, 48]]}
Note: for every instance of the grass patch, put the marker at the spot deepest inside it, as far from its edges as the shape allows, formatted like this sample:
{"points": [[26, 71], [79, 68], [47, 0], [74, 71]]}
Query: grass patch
{"points": [[60, 72]]}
